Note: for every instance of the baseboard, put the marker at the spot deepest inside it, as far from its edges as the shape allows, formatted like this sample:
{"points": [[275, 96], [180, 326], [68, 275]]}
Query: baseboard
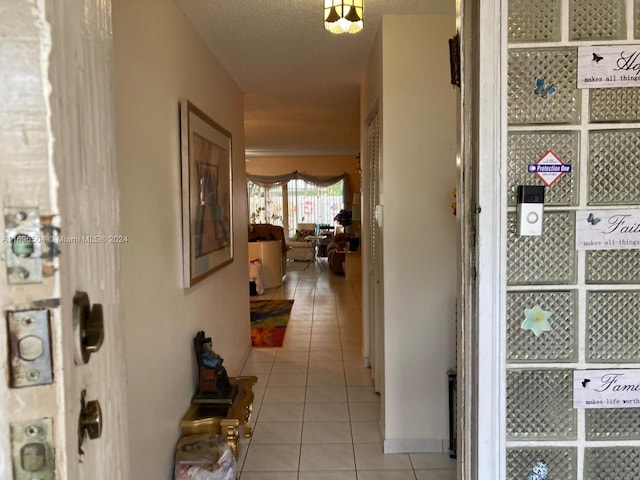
{"points": [[245, 357], [416, 445]]}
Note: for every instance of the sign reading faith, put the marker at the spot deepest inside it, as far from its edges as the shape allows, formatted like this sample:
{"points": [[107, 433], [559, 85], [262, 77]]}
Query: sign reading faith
{"points": [[608, 229], [606, 388], [609, 66]]}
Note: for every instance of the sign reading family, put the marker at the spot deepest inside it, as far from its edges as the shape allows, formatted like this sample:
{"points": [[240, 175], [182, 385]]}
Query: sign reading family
{"points": [[606, 388], [609, 66], [608, 229]]}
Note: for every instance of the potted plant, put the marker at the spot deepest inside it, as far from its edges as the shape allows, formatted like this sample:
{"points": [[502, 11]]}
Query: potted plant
{"points": [[343, 218]]}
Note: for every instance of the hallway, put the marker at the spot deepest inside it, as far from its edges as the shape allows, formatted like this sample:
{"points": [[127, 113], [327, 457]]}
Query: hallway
{"points": [[316, 414]]}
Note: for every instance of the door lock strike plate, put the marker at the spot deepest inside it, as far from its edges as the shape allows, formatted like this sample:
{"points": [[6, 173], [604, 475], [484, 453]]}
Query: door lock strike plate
{"points": [[32, 450], [29, 348]]}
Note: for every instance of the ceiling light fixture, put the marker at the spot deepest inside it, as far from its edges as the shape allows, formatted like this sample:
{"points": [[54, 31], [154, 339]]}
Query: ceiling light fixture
{"points": [[343, 16]]}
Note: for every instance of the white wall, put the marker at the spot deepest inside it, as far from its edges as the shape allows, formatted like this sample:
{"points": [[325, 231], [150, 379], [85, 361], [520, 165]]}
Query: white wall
{"points": [[417, 105], [160, 60]]}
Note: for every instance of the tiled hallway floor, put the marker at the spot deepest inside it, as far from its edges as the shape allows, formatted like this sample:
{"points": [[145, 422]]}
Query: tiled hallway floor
{"points": [[315, 412]]}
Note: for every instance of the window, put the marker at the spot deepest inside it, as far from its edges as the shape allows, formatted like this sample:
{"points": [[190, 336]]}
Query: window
{"points": [[265, 203], [309, 203], [305, 199]]}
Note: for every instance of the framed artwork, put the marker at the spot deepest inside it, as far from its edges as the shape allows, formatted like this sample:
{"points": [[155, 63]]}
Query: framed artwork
{"points": [[207, 227]]}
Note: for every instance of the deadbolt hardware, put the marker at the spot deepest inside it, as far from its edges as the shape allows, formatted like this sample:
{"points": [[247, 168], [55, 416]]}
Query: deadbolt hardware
{"points": [[88, 327], [90, 421], [22, 245], [23, 240]]}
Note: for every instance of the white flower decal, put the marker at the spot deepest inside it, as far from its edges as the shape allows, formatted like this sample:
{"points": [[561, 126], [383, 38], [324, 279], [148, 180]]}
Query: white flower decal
{"points": [[536, 320]]}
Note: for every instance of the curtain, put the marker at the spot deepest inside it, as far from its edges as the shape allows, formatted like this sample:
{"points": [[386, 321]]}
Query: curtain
{"points": [[291, 193], [321, 181]]}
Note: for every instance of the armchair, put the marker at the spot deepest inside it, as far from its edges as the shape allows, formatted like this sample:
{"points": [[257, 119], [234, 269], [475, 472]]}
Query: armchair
{"points": [[299, 248]]}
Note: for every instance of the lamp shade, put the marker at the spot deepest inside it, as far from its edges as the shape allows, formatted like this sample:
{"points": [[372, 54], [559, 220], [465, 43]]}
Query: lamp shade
{"points": [[355, 207], [356, 213], [343, 16]]}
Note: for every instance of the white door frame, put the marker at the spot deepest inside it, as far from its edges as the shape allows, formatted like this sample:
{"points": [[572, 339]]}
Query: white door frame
{"points": [[490, 327], [483, 200]]}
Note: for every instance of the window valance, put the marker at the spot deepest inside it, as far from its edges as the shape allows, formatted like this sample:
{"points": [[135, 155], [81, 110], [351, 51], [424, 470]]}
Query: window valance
{"points": [[267, 181]]}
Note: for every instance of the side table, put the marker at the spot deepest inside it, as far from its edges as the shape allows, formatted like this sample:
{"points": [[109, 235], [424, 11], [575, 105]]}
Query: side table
{"points": [[223, 419], [353, 266]]}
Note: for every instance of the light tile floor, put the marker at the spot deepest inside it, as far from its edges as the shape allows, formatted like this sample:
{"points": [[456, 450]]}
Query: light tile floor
{"points": [[315, 413]]}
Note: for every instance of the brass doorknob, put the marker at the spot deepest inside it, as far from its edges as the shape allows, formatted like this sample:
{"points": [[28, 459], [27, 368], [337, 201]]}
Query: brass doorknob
{"points": [[94, 329], [88, 327], [90, 421]]}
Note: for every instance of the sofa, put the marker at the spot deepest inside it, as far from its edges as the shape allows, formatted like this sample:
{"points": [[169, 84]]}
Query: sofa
{"points": [[300, 247]]}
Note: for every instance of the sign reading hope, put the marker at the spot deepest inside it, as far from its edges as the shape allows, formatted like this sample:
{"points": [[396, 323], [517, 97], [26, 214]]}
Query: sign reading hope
{"points": [[609, 66]]}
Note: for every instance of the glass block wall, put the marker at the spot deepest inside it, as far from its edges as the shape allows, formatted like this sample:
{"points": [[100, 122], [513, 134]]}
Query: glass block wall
{"points": [[593, 297]]}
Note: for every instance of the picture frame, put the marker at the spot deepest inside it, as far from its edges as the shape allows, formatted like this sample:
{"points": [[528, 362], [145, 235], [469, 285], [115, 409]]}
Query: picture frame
{"points": [[207, 194]]}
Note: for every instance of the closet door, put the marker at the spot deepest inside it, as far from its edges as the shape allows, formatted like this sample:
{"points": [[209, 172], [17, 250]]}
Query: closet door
{"points": [[374, 284]]}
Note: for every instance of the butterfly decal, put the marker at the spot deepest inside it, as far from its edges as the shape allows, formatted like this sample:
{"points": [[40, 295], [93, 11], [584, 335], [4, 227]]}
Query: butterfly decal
{"points": [[540, 471], [585, 382], [542, 90], [592, 219], [597, 58]]}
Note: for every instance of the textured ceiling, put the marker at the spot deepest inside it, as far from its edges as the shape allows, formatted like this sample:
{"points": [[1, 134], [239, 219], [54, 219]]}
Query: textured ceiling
{"points": [[301, 82]]}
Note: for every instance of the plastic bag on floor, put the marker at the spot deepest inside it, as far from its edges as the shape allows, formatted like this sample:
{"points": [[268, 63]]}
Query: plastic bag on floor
{"points": [[204, 457]]}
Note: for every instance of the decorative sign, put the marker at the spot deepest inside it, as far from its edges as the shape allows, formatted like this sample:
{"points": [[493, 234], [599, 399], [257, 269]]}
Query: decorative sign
{"points": [[606, 388], [536, 320], [543, 90], [609, 66], [549, 168], [540, 471], [608, 229]]}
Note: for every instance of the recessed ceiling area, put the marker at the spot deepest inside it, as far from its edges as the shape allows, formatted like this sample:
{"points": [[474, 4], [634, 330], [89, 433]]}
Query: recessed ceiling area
{"points": [[301, 82]]}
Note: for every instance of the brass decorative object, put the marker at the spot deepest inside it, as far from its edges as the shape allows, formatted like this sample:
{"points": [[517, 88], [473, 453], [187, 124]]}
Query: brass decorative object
{"points": [[222, 418]]}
